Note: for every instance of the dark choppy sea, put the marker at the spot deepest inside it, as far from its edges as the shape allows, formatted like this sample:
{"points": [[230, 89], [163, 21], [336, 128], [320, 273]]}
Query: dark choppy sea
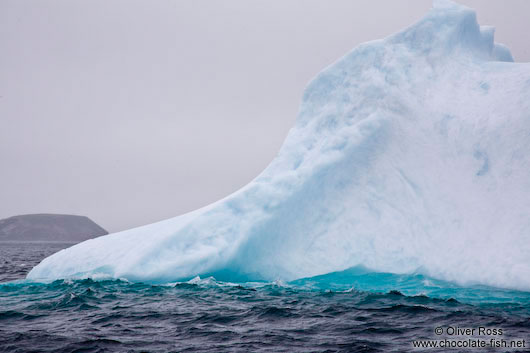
{"points": [[350, 311]]}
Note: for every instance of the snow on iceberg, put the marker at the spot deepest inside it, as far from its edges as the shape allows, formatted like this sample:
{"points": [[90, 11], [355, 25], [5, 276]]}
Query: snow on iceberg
{"points": [[409, 154]]}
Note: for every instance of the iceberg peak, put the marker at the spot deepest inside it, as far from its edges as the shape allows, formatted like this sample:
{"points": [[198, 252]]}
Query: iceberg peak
{"points": [[452, 29]]}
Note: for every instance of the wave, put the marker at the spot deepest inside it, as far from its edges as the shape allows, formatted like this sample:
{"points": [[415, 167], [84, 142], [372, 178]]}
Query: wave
{"points": [[357, 280], [354, 310]]}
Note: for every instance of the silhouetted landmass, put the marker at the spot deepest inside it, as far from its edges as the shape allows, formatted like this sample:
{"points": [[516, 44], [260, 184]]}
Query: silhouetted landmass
{"points": [[49, 227]]}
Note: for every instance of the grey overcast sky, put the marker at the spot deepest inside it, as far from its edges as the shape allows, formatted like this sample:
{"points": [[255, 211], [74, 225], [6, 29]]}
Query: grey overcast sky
{"points": [[131, 111]]}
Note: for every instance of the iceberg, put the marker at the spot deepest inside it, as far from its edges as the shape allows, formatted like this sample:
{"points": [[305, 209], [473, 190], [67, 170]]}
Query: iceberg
{"points": [[410, 154]]}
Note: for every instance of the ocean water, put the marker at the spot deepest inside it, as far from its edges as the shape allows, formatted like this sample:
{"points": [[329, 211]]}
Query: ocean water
{"points": [[350, 311]]}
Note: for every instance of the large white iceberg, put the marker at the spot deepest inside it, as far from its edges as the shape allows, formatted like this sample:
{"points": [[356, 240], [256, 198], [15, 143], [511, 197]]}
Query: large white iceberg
{"points": [[409, 154]]}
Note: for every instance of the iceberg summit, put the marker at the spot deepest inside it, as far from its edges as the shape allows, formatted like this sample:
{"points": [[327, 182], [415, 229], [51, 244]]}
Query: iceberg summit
{"points": [[410, 154]]}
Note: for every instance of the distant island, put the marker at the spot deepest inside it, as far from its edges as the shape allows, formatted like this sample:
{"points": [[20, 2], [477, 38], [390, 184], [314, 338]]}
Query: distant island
{"points": [[49, 227]]}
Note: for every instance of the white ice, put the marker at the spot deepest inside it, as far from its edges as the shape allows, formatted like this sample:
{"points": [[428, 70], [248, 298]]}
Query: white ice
{"points": [[409, 154]]}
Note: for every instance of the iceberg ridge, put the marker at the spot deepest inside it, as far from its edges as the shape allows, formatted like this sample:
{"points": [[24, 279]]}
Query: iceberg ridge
{"points": [[409, 155]]}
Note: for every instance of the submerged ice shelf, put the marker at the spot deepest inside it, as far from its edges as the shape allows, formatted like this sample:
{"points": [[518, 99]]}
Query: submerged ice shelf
{"points": [[409, 154]]}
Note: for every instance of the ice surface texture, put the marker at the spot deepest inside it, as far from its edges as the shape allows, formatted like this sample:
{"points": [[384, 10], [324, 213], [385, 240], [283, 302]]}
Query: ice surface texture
{"points": [[409, 154]]}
